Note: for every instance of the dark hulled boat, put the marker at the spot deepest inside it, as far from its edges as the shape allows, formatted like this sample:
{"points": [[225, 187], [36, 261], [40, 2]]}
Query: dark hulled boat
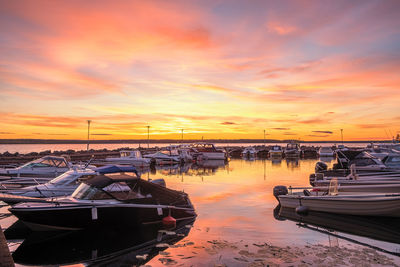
{"points": [[107, 200]]}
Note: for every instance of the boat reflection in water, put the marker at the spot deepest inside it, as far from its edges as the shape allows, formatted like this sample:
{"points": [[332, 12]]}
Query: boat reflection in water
{"points": [[200, 168], [378, 228], [292, 163], [132, 246]]}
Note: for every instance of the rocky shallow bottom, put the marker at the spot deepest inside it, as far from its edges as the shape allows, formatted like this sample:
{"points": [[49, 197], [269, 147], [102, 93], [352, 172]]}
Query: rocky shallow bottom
{"points": [[223, 253]]}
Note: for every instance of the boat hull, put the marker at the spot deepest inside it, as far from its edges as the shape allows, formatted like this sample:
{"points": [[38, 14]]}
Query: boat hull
{"points": [[383, 206], [213, 155], [74, 217], [135, 162]]}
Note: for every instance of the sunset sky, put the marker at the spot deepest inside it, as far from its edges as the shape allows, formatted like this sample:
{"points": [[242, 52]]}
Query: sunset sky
{"points": [[218, 69]]}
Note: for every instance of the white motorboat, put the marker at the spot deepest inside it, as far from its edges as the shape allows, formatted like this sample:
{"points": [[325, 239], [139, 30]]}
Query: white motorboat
{"points": [[47, 166], [132, 157], [63, 185], [276, 151], [325, 152], [392, 161], [353, 203], [249, 152], [207, 151], [164, 158], [362, 160], [354, 177], [378, 151], [183, 151], [292, 150]]}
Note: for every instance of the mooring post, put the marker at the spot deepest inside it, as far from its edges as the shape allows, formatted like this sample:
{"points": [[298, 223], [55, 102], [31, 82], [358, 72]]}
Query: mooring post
{"points": [[5, 256]]}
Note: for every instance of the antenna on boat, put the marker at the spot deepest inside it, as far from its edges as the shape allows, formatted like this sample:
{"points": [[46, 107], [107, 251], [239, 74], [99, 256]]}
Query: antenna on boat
{"points": [[341, 132], [264, 137], [89, 161], [148, 135]]}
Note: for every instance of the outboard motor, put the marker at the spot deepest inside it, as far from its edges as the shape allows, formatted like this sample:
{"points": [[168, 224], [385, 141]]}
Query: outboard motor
{"points": [[320, 167], [280, 190]]}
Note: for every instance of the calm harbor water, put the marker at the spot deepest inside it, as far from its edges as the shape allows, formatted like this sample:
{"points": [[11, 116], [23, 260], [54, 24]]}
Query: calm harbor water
{"points": [[236, 207]]}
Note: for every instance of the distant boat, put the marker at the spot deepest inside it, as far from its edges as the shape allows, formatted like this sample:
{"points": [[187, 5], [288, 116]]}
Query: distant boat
{"points": [[276, 151], [132, 157], [105, 200], [249, 152], [164, 158], [207, 151], [325, 152], [47, 166], [292, 150]]}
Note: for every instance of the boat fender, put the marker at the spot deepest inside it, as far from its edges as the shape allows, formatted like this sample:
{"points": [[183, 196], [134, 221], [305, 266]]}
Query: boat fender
{"points": [[302, 210], [94, 213], [169, 221], [280, 190]]}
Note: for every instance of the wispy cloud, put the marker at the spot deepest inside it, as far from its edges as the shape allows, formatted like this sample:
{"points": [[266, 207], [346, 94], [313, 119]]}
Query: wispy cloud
{"points": [[326, 132]]}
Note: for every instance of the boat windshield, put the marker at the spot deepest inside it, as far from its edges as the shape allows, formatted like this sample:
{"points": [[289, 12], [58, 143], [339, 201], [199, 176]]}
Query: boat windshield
{"points": [[70, 177], [118, 191], [87, 192], [393, 159], [130, 154], [46, 162], [63, 178]]}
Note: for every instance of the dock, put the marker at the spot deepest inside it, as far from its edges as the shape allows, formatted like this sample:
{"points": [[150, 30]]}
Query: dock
{"points": [[6, 259]]}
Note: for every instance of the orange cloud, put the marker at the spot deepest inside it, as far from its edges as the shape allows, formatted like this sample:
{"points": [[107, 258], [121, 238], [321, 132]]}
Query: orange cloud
{"points": [[280, 29]]}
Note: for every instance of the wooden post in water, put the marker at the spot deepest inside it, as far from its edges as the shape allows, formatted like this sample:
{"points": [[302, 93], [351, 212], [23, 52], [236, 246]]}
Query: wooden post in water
{"points": [[5, 256]]}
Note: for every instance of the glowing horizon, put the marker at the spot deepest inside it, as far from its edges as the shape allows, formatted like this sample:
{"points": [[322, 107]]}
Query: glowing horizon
{"points": [[217, 69]]}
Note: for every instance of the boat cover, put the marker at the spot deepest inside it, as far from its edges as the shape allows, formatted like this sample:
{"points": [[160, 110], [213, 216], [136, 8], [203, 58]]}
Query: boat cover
{"points": [[115, 169]]}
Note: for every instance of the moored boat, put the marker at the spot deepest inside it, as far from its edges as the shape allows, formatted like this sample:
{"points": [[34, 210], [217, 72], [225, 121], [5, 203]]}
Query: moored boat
{"points": [[292, 150], [63, 185], [132, 157], [325, 152], [106, 200], [249, 152], [164, 158], [276, 151], [47, 166], [360, 203], [207, 151]]}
